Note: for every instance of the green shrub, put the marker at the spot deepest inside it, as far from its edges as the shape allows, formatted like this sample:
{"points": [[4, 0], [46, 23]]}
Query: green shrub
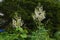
{"points": [[57, 35], [18, 34], [40, 34]]}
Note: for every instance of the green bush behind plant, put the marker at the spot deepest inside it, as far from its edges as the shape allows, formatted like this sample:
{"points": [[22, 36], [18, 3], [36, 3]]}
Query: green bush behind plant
{"points": [[25, 8]]}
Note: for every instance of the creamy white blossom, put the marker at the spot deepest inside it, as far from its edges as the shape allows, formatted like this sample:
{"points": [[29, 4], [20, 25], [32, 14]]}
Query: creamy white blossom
{"points": [[1, 0], [17, 21], [1, 14], [39, 13]]}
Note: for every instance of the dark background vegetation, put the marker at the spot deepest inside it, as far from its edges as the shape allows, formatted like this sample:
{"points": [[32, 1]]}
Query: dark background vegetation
{"points": [[25, 8]]}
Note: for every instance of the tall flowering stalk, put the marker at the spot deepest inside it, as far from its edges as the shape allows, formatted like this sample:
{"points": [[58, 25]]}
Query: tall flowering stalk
{"points": [[17, 21], [39, 13]]}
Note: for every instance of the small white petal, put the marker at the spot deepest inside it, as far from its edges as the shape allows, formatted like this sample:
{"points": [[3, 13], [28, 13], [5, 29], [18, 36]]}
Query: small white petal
{"points": [[1, 14], [1, 0]]}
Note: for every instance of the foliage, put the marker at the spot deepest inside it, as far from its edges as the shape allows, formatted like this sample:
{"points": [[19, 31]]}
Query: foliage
{"points": [[25, 8], [52, 8], [57, 35], [40, 34], [16, 34]]}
